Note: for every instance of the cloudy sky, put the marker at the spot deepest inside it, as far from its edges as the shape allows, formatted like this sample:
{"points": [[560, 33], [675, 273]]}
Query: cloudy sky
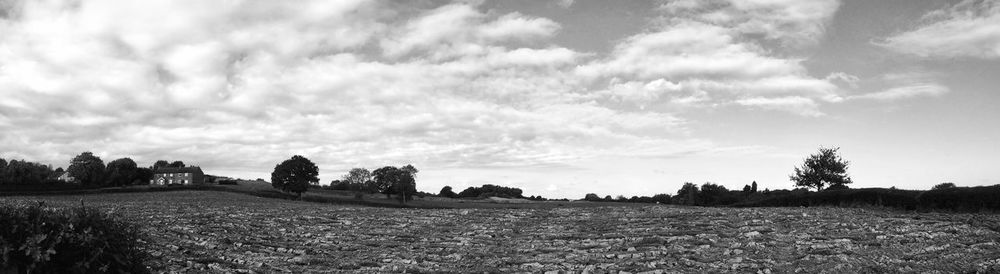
{"points": [[559, 98]]}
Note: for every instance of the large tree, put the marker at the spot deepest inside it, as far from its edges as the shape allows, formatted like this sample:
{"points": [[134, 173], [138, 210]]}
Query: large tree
{"points": [[358, 178], [144, 175], [177, 164], [821, 169], [688, 194], [87, 169], [295, 175], [122, 172], [392, 180]]}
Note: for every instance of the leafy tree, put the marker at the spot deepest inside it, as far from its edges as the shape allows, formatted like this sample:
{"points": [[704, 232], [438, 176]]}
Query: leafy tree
{"points": [[161, 163], [382, 180], [87, 169], [688, 194], [177, 164], [122, 172], [821, 169], [713, 194], [144, 175], [447, 192], [295, 175], [411, 170], [358, 178], [3, 163], [59, 170], [945, 185], [753, 187], [392, 180]]}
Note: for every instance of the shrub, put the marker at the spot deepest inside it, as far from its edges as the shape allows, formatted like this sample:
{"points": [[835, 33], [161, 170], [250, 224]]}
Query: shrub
{"points": [[981, 198], [35, 239], [904, 199]]}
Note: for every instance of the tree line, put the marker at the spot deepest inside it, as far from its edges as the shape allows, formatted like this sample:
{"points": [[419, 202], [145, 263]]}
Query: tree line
{"points": [[86, 169], [298, 174]]}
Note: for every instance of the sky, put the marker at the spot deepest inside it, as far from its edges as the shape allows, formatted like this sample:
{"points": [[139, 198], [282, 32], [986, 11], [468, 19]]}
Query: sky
{"points": [[559, 98]]}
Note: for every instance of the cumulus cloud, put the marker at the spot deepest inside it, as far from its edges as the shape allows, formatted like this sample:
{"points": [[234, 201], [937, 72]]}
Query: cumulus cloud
{"points": [[238, 86], [968, 29], [708, 50]]}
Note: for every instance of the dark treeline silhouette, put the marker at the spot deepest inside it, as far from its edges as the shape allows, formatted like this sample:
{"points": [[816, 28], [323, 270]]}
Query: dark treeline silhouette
{"points": [[86, 170], [489, 190], [388, 180], [21, 172], [658, 198]]}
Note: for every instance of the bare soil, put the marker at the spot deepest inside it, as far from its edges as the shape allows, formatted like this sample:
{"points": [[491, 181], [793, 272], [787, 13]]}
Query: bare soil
{"points": [[207, 231]]}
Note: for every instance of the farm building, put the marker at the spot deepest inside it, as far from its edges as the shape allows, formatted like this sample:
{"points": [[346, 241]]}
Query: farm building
{"points": [[178, 176], [65, 177]]}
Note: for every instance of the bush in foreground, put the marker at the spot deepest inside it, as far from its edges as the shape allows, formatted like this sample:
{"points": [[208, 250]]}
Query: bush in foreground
{"points": [[35, 239]]}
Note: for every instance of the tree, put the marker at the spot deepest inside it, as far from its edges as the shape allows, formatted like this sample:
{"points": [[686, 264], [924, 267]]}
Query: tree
{"points": [[753, 187], [821, 169], [3, 163], [87, 169], [177, 164], [122, 172], [392, 180], [447, 192], [24, 173], [945, 185], [295, 175], [411, 170], [687, 195], [358, 178], [161, 163], [144, 175]]}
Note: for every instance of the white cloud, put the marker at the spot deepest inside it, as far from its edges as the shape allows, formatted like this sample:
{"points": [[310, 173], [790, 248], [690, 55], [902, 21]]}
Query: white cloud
{"points": [[799, 105], [907, 84], [792, 23], [902, 92], [708, 50], [968, 29]]}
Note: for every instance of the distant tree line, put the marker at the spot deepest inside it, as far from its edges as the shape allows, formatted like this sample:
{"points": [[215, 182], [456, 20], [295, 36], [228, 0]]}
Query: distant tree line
{"points": [[389, 180], [658, 198], [86, 170]]}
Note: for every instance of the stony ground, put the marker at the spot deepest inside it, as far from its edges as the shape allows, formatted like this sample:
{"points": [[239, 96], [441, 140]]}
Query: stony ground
{"points": [[224, 232]]}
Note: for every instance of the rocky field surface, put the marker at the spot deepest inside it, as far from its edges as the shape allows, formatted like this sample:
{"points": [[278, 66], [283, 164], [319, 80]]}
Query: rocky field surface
{"points": [[232, 233]]}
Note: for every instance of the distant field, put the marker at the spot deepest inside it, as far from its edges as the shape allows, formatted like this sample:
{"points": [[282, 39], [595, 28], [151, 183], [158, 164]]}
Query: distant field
{"points": [[209, 231]]}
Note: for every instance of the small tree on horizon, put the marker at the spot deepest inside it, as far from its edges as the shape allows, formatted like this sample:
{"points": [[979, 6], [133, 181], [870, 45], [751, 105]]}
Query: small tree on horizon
{"points": [[295, 175], [822, 169]]}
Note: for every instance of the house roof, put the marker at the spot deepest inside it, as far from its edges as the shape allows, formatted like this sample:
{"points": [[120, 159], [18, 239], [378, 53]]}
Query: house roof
{"points": [[190, 169]]}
